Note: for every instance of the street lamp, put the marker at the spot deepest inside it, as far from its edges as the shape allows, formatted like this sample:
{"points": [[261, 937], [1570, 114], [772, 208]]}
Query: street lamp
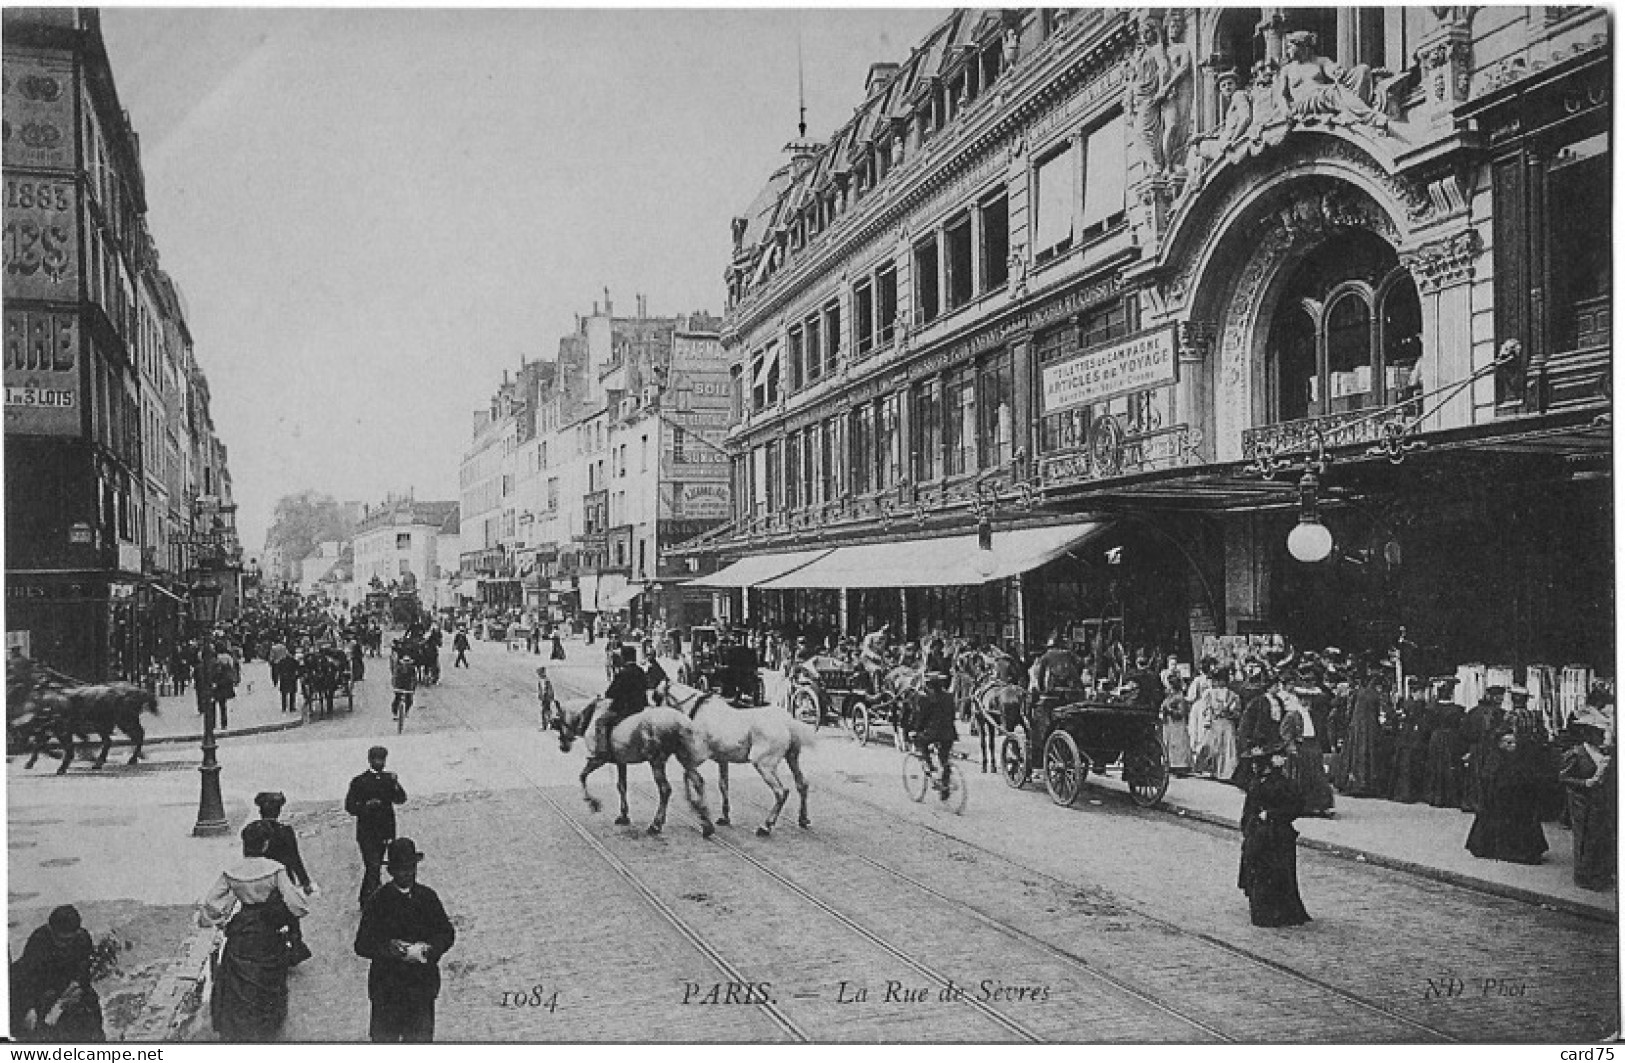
{"points": [[1310, 541], [211, 810]]}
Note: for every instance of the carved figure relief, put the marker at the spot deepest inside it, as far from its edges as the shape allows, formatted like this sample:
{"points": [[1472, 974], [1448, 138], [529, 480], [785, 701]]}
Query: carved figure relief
{"points": [[1148, 74], [1178, 93], [1311, 85]]}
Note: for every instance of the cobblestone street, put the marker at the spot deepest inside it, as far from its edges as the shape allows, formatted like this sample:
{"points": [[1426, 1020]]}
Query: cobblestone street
{"points": [[1100, 923]]}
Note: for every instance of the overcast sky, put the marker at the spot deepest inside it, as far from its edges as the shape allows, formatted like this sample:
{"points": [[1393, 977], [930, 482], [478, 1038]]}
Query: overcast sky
{"points": [[371, 213]]}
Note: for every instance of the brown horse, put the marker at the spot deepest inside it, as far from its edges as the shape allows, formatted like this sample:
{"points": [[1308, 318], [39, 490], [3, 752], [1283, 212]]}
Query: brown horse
{"points": [[998, 706], [43, 705], [759, 737], [655, 735]]}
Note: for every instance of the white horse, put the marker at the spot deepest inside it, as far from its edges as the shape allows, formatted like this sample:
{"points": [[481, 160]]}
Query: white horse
{"points": [[760, 737]]}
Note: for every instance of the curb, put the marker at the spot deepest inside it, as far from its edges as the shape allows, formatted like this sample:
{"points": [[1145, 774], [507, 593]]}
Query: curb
{"points": [[180, 995], [1392, 863], [260, 729]]}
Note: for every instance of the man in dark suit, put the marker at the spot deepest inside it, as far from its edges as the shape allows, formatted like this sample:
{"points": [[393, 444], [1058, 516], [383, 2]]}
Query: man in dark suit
{"points": [[404, 931], [372, 799], [627, 695]]}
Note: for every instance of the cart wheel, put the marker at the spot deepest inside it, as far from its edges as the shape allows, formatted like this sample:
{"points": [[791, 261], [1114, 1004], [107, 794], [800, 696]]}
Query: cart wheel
{"points": [[1013, 760], [1064, 768], [1146, 771], [804, 707], [858, 715], [915, 781]]}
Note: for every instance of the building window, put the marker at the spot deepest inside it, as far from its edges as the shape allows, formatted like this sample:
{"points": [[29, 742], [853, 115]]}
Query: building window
{"points": [[772, 482], [888, 442], [996, 393], [553, 494], [814, 332], [832, 336], [405, 567], [796, 360], [926, 424], [959, 422], [833, 459], [792, 471], [1326, 351], [863, 310], [860, 437], [956, 240], [886, 304], [645, 466], [926, 303], [403, 540], [995, 242], [1104, 178], [1055, 196], [812, 463]]}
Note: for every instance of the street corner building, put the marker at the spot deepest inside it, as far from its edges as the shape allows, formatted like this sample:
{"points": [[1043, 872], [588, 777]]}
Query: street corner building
{"points": [[120, 519], [1194, 329]]}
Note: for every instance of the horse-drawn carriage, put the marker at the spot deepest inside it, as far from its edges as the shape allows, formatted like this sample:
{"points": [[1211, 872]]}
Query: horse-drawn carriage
{"points": [[1090, 735], [729, 668], [324, 677], [829, 688]]}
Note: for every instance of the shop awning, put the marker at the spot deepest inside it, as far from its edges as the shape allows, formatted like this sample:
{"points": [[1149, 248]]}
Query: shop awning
{"points": [[759, 568], [620, 599], [950, 562]]}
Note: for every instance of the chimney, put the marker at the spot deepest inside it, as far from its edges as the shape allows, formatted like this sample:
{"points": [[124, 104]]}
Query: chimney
{"points": [[880, 76], [609, 308]]}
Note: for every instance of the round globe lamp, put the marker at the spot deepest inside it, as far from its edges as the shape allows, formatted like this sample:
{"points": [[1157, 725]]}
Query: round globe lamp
{"points": [[1310, 542]]}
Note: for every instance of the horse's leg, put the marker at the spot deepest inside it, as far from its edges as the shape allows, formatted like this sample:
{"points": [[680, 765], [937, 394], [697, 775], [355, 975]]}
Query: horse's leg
{"points": [[592, 765], [657, 767], [65, 736], [139, 734], [722, 784], [107, 745], [620, 784], [793, 758], [694, 790], [768, 768]]}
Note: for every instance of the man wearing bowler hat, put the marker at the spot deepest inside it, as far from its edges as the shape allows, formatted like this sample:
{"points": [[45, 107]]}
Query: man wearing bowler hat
{"points": [[404, 931]]}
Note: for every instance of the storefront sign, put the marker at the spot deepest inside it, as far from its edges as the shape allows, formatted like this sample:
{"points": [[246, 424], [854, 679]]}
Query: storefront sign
{"points": [[1111, 453], [693, 501], [1142, 361], [42, 373], [41, 239], [39, 113], [671, 532], [80, 534]]}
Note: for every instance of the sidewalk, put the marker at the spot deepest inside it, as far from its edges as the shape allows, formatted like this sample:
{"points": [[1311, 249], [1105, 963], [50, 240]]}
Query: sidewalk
{"points": [[1416, 838], [257, 709]]}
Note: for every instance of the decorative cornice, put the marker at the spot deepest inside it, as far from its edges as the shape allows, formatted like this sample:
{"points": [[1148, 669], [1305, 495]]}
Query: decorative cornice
{"points": [[1443, 263]]}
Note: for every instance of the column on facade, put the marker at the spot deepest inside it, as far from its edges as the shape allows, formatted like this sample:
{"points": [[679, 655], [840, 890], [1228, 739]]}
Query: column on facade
{"points": [[1443, 270], [1194, 342], [1021, 354]]}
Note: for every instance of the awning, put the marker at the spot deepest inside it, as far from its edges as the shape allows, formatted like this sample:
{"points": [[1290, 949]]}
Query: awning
{"points": [[757, 569], [955, 561], [620, 599]]}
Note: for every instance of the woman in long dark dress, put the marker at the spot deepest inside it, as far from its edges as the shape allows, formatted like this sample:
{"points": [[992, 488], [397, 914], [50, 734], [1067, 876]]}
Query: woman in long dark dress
{"points": [[1441, 769], [254, 900], [1410, 751], [1358, 770], [1588, 777], [1507, 826], [1306, 763], [1269, 846]]}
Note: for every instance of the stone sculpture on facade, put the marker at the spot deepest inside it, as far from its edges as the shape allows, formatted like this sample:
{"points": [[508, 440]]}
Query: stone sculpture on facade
{"points": [[1310, 85], [1178, 93], [1148, 74]]}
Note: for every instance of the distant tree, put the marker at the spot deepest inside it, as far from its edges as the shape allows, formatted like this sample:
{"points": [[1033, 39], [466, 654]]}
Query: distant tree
{"points": [[301, 522]]}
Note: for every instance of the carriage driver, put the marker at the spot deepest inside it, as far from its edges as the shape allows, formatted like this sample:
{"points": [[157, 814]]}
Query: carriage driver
{"points": [[628, 695], [1055, 675], [873, 656]]}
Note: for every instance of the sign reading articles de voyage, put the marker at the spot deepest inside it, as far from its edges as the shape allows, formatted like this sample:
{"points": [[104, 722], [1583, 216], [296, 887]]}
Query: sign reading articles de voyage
{"points": [[1135, 363]]}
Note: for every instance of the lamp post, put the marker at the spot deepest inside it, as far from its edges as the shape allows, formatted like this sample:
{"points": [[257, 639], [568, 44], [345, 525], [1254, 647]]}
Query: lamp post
{"points": [[211, 810]]}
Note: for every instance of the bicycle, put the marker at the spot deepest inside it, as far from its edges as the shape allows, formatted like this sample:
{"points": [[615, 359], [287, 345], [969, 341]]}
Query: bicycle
{"points": [[401, 706], [920, 777]]}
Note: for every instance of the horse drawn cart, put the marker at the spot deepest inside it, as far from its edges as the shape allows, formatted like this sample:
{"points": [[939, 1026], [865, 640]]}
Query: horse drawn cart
{"points": [[1086, 736], [830, 688], [729, 668]]}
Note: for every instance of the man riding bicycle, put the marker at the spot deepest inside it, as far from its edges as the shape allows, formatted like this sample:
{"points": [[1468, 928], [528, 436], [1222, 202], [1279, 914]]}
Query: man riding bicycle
{"points": [[931, 726], [403, 674]]}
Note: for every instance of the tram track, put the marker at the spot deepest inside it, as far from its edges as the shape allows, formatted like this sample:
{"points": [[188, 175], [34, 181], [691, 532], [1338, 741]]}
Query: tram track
{"points": [[823, 953], [1126, 990]]}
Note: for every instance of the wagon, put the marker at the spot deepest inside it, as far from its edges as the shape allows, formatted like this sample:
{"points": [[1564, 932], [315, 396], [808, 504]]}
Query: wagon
{"points": [[728, 668], [1087, 736], [826, 689]]}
